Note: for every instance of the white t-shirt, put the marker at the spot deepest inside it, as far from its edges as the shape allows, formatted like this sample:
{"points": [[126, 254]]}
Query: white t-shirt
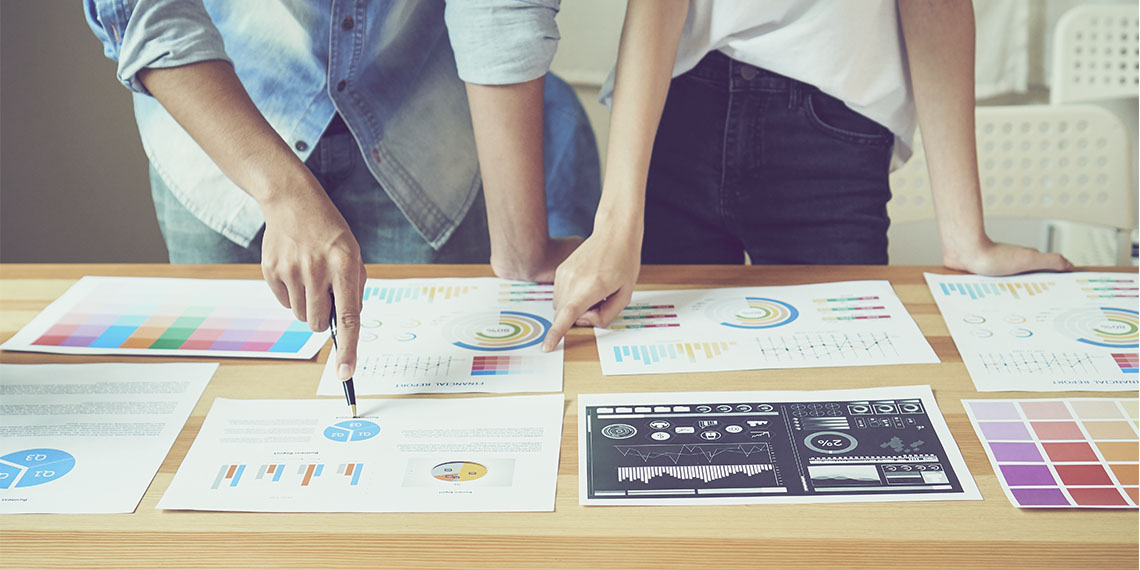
{"points": [[850, 49]]}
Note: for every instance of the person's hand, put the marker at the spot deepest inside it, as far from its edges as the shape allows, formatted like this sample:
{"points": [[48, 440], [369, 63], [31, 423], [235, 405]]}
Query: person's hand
{"points": [[307, 252], [996, 259], [595, 282]]}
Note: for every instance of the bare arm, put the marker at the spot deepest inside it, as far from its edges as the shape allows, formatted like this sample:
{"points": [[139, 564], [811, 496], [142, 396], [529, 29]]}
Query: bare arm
{"points": [[597, 280], [307, 249], [939, 38], [508, 132]]}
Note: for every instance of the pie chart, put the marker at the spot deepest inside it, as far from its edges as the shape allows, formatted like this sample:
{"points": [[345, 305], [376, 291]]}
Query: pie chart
{"points": [[32, 467], [458, 471], [352, 430]]}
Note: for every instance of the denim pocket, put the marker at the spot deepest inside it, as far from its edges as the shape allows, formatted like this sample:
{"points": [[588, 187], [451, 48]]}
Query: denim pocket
{"points": [[836, 119]]}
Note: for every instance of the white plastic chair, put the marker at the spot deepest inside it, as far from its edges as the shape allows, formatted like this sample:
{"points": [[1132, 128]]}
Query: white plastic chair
{"points": [[1060, 162], [1096, 54]]}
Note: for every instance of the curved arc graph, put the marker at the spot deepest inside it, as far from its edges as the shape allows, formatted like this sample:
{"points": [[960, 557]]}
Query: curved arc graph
{"points": [[511, 331], [1108, 327], [761, 313]]}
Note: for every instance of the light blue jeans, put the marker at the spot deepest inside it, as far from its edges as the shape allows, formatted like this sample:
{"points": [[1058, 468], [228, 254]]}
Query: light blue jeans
{"points": [[573, 187]]}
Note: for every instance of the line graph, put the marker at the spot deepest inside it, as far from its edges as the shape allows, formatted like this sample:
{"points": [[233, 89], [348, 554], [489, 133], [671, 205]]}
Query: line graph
{"points": [[1036, 362], [710, 451], [706, 473], [826, 346], [413, 366]]}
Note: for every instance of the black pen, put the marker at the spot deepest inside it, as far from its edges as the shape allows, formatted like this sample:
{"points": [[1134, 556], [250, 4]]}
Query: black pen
{"points": [[349, 389]]}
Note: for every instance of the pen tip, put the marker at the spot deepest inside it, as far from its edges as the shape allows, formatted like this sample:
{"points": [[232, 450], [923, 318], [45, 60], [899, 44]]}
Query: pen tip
{"points": [[353, 406]]}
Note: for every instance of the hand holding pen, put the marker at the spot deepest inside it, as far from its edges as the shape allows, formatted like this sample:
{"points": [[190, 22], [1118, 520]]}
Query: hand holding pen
{"points": [[349, 388]]}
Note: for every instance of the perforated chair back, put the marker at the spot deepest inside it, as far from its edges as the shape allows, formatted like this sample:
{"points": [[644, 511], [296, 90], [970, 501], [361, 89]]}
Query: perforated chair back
{"points": [[1059, 162], [1096, 54]]}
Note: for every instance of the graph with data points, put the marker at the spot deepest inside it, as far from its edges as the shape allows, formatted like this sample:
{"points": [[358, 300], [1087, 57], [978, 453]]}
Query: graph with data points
{"points": [[1076, 331], [877, 444], [169, 317], [853, 323], [452, 335]]}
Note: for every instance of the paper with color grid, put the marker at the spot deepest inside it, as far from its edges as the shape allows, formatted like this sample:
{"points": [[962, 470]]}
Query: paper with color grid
{"points": [[88, 438], [168, 317], [1043, 332], [853, 323], [1062, 453], [452, 335], [738, 448], [400, 455]]}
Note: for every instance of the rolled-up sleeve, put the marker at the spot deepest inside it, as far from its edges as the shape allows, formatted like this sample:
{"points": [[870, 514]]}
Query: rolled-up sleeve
{"points": [[153, 33], [499, 42]]}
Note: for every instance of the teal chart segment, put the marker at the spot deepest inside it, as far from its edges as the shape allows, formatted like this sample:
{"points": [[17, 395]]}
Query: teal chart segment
{"points": [[32, 467]]}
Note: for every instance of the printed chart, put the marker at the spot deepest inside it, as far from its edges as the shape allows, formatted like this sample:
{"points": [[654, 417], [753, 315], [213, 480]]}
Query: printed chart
{"points": [[1075, 331], [879, 444], [853, 323], [168, 317], [1079, 452], [401, 455], [31, 467], [452, 335], [89, 438]]}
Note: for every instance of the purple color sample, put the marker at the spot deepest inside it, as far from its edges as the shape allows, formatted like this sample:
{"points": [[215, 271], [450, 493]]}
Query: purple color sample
{"points": [[1040, 497], [222, 345], [994, 411], [1005, 431], [78, 341], [1015, 452], [1021, 475]]}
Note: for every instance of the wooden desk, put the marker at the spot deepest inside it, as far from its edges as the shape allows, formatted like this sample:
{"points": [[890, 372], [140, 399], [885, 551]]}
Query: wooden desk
{"points": [[989, 533]]}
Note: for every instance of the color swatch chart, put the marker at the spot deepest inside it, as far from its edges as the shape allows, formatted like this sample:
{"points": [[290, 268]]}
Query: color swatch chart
{"points": [[1055, 332], [1060, 453], [853, 323], [168, 317], [452, 335], [880, 444]]}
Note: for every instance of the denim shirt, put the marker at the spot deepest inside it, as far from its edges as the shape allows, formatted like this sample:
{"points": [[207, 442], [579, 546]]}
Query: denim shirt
{"points": [[386, 66]]}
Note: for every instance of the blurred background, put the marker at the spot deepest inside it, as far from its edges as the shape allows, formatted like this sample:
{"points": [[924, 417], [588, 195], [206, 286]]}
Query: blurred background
{"points": [[73, 176]]}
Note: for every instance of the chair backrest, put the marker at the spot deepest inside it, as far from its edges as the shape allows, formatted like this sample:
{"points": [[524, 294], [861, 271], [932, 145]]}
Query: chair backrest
{"points": [[1059, 162], [1095, 53]]}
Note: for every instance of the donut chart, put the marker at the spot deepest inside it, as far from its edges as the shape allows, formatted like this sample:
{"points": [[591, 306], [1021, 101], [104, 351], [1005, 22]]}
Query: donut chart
{"points": [[458, 471], [1110, 327], [32, 467], [753, 313], [502, 330]]}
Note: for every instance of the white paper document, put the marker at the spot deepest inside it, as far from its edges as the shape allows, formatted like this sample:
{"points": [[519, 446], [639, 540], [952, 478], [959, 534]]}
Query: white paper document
{"points": [[452, 335], [400, 455], [737, 448], [1043, 332], [854, 323], [88, 438], [168, 317]]}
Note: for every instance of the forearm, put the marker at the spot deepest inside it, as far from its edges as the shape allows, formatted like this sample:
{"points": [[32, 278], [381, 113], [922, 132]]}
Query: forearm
{"points": [[508, 132], [209, 101], [939, 38], [648, 51]]}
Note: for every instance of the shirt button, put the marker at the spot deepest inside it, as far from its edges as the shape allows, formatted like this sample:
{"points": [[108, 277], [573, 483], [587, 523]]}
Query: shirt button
{"points": [[340, 85], [748, 72], [347, 23], [301, 146]]}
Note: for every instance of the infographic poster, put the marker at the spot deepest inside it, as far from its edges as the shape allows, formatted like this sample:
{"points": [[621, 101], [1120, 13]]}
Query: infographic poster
{"points": [[877, 444], [854, 323], [1043, 332], [452, 335]]}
